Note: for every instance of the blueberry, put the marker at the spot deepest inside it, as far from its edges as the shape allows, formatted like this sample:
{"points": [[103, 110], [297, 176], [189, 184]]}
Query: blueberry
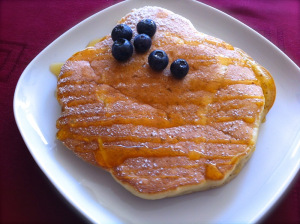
{"points": [[121, 31], [122, 49], [158, 60], [146, 26], [179, 68], [142, 43]]}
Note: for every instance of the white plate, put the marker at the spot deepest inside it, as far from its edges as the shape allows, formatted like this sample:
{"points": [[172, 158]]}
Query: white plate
{"points": [[94, 192]]}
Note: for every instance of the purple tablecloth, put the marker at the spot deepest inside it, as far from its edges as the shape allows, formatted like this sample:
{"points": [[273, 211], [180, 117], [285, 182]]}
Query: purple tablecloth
{"points": [[28, 26]]}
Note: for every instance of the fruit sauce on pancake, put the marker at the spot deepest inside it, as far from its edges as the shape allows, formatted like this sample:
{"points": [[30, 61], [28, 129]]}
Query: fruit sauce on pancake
{"points": [[158, 135]]}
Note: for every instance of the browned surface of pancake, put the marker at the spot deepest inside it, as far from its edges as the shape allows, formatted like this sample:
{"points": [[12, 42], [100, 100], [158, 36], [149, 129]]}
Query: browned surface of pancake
{"points": [[157, 135]]}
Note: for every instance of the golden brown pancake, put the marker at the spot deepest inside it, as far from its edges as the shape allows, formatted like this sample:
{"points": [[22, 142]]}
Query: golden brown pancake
{"points": [[159, 136]]}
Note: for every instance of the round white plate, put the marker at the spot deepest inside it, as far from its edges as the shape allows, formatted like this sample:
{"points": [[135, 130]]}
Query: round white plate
{"points": [[93, 191]]}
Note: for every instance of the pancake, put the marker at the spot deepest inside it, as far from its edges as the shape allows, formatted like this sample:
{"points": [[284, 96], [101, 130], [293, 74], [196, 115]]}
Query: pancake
{"points": [[159, 136]]}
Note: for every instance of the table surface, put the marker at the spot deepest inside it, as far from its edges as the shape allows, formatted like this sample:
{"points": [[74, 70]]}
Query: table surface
{"points": [[28, 26]]}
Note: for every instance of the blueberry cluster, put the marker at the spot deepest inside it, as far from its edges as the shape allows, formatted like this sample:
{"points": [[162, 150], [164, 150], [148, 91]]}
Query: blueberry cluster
{"points": [[122, 48], [158, 60]]}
